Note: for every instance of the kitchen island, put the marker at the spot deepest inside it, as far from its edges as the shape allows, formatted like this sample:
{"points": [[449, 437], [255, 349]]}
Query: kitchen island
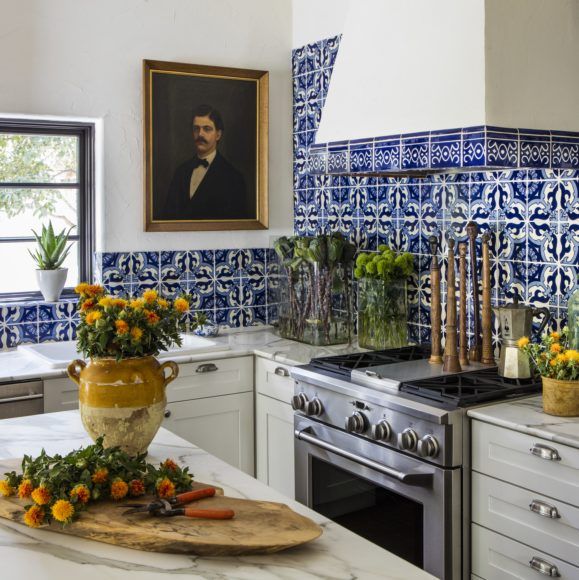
{"points": [[36, 553]]}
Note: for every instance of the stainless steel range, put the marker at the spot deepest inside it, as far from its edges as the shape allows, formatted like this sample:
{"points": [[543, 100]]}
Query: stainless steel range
{"points": [[383, 448]]}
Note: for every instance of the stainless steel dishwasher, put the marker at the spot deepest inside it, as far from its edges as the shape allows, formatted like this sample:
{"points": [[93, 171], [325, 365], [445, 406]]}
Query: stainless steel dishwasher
{"points": [[21, 398]]}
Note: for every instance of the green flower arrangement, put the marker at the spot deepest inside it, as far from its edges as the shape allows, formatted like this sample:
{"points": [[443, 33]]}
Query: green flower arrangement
{"points": [[386, 265]]}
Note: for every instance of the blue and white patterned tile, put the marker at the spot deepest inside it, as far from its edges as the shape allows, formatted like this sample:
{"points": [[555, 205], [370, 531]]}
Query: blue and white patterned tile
{"points": [[338, 157], [330, 48], [535, 148], [445, 149], [361, 156], [299, 61], [313, 56], [565, 150], [387, 154], [415, 151], [502, 147]]}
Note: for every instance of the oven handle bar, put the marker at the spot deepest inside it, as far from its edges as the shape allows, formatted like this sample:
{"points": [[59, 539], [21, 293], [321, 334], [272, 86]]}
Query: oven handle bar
{"points": [[412, 478]]}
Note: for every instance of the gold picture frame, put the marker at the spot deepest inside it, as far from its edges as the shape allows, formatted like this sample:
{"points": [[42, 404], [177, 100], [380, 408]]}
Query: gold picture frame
{"points": [[188, 111]]}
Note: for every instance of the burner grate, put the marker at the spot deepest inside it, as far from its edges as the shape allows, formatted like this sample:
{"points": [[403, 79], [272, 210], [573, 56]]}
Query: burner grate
{"points": [[466, 389]]}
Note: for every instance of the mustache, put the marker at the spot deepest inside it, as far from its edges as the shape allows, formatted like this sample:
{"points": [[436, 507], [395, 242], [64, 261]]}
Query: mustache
{"points": [[201, 140]]}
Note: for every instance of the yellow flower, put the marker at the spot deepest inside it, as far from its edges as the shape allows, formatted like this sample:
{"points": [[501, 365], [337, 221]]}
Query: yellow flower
{"points": [[555, 335], [41, 495], [62, 511], [5, 488], [561, 358], [100, 475], [553, 362], [87, 305], [80, 492], [162, 303], [149, 296], [165, 488], [572, 355], [121, 326], [106, 301], [137, 487], [136, 333], [152, 317], [556, 347], [119, 489], [94, 290], [93, 316], [119, 302], [81, 288], [523, 341], [137, 303], [25, 488], [34, 516], [181, 305]]}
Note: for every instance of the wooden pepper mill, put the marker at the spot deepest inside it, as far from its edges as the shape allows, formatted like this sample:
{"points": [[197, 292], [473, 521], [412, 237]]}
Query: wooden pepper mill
{"points": [[487, 339], [463, 351], [435, 304], [475, 349], [450, 361]]}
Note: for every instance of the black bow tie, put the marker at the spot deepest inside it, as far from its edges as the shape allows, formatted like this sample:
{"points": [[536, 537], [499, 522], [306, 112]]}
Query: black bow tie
{"points": [[197, 162]]}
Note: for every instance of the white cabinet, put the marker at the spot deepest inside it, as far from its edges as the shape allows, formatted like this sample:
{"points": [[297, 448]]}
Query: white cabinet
{"points": [[525, 505], [60, 395], [274, 426]]}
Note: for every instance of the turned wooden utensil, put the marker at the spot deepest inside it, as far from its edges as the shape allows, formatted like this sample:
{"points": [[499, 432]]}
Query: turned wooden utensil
{"points": [[475, 349], [487, 341], [463, 351], [450, 361], [435, 304]]}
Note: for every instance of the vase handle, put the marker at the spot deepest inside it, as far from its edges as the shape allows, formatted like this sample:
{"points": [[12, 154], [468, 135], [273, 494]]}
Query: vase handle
{"points": [[174, 371], [74, 369]]}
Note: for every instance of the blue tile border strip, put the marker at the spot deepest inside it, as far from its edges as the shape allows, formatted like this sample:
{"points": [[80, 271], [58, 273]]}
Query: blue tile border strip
{"points": [[482, 147]]}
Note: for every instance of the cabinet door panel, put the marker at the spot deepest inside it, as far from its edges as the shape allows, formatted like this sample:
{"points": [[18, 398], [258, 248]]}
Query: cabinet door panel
{"points": [[273, 379], [275, 444], [223, 426], [60, 395]]}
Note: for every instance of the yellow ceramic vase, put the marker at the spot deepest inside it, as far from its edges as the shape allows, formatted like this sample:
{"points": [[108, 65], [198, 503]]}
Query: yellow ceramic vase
{"points": [[124, 401], [561, 398]]}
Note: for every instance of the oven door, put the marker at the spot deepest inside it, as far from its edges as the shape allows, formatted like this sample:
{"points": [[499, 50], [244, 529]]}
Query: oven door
{"points": [[407, 506]]}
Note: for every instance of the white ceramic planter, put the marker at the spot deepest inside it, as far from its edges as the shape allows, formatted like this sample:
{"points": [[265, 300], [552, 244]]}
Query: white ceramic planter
{"points": [[51, 283]]}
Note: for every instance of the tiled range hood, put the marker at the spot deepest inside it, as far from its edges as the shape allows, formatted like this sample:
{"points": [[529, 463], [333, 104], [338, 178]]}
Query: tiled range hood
{"points": [[422, 86]]}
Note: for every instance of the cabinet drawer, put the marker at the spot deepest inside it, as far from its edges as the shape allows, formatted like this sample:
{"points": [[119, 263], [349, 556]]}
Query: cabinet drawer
{"points": [[495, 557], [60, 395], [273, 379], [506, 509], [507, 455], [211, 378]]}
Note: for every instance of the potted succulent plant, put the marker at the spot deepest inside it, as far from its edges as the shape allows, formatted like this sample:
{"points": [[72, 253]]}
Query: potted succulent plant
{"points": [[49, 256]]}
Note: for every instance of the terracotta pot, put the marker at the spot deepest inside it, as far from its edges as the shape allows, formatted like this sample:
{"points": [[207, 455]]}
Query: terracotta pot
{"points": [[561, 398], [124, 401]]}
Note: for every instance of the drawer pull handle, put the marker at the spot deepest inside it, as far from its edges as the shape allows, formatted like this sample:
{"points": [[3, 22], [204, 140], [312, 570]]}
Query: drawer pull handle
{"points": [[543, 567], [281, 372], [544, 509], [545, 452], [206, 368]]}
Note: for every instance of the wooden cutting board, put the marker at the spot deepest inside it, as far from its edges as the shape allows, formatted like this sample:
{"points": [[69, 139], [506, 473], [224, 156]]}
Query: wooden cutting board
{"points": [[259, 527]]}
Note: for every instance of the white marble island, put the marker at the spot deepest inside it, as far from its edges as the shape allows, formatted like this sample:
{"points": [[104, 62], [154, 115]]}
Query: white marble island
{"points": [[28, 553]]}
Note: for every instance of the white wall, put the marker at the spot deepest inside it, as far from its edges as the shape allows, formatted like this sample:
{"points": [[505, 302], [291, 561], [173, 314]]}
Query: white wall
{"points": [[314, 20], [83, 58], [406, 66]]}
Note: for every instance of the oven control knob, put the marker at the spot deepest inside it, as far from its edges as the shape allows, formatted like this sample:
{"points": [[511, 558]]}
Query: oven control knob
{"points": [[381, 431], [428, 446], [356, 423], [299, 401], [408, 439], [313, 408]]}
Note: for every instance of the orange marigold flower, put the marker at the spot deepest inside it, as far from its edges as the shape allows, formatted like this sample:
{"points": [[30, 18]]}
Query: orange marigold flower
{"points": [[556, 347], [572, 355], [137, 303], [119, 489], [165, 488], [553, 362], [555, 335], [149, 296], [136, 487], [5, 488], [136, 333], [106, 301], [94, 290], [163, 303], [87, 305], [181, 305], [93, 316], [80, 492], [41, 495], [119, 302], [152, 317], [100, 475], [34, 516], [25, 488], [523, 341], [62, 511], [121, 326], [81, 288], [170, 465]]}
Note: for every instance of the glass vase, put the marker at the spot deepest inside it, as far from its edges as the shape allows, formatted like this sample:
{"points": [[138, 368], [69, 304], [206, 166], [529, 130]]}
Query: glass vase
{"points": [[573, 320], [316, 305], [382, 314]]}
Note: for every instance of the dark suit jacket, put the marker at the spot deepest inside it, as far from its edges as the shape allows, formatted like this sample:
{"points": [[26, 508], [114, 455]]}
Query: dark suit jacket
{"points": [[221, 195]]}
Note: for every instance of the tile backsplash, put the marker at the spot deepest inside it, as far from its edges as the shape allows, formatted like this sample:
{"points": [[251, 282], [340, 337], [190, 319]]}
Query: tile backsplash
{"points": [[532, 214]]}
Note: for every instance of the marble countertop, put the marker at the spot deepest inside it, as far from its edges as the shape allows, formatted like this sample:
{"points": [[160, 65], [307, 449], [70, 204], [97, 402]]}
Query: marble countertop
{"points": [[15, 365], [527, 416], [28, 553]]}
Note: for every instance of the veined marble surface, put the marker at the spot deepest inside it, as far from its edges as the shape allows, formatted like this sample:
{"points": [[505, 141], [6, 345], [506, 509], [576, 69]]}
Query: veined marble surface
{"points": [[15, 365], [27, 553], [527, 416]]}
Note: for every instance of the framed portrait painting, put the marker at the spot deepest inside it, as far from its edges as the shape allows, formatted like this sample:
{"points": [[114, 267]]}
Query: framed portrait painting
{"points": [[206, 145]]}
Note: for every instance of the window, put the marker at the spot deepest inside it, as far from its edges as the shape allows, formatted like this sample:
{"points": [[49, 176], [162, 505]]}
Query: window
{"points": [[46, 173]]}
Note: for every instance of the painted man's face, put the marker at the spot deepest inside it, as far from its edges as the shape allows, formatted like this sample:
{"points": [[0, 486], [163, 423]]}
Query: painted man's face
{"points": [[206, 136]]}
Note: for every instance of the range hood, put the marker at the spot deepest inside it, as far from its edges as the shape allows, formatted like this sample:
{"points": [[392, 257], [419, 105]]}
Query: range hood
{"points": [[423, 85]]}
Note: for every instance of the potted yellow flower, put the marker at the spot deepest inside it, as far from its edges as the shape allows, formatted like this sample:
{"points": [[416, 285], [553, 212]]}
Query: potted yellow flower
{"points": [[122, 388], [558, 366]]}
